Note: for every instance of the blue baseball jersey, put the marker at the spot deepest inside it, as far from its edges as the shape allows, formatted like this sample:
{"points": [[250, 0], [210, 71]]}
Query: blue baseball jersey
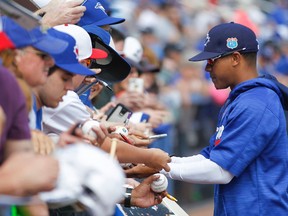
{"points": [[251, 143]]}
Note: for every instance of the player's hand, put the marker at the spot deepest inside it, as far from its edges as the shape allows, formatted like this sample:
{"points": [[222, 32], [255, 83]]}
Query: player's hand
{"points": [[158, 160]]}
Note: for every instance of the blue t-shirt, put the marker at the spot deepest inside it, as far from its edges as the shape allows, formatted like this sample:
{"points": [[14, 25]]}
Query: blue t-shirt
{"points": [[251, 143]]}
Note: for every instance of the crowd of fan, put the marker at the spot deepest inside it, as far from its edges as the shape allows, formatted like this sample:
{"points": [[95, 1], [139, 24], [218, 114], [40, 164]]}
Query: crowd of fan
{"points": [[83, 46]]}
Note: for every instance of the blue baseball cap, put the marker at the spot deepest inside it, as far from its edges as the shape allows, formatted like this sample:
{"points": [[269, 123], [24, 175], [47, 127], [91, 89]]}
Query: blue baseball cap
{"points": [[114, 68], [13, 35], [95, 14], [68, 60], [226, 38]]}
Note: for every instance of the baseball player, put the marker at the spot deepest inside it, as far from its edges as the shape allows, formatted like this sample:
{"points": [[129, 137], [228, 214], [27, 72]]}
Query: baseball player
{"points": [[247, 157]]}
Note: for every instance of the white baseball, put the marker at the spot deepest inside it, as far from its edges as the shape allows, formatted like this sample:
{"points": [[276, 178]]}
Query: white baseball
{"points": [[87, 128], [122, 130], [160, 184]]}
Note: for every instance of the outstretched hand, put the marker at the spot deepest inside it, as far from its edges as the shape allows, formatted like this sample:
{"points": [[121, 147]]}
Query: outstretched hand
{"points": [[142, 196]]}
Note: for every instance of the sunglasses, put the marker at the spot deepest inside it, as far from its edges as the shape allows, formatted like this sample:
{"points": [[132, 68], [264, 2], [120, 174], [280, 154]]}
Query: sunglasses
{"points": [[212, 61], [42, 55]]}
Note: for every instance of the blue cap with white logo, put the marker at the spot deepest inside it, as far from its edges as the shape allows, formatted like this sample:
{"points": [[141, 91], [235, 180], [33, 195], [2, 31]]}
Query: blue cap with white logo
{"points": [[95, 14], [12, 35], [226, 38], [68, 60]]}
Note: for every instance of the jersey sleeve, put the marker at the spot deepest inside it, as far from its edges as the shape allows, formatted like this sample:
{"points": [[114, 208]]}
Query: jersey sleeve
{"points": [[246, 132]]}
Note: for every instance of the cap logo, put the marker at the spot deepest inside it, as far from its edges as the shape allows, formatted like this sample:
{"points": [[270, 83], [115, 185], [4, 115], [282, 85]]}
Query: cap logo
{"points": [[232, 43], [99, 6], [207, 40], [76, 51]]}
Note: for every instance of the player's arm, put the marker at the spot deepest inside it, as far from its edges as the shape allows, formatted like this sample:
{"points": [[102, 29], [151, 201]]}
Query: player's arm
{"points": [[203, 171], [189, 159]]}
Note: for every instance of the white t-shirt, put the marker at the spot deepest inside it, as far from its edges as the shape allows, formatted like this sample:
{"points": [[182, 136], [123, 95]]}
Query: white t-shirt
{"points": [[69, 112]]}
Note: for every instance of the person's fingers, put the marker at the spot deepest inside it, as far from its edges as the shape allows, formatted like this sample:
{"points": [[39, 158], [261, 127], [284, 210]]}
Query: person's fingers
{"points": [[104, 129], [96, 70], [115, 135], [75, 130], [74, 3], [78, 10], [150, 179], [40, 143], [164, 193], [158, 198], [52, 148], [43, 143], [34, 141], [49, 147], [166, 168], [99, 132], [138, 133], [89, 80], [74, 21], [36, 146], [78, 132]]}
